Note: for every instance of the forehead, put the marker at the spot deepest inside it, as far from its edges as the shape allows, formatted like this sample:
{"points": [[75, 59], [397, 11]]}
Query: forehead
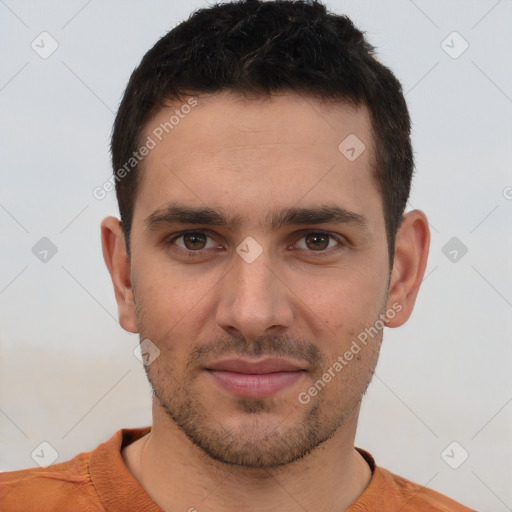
{"points": [[257, 154]]}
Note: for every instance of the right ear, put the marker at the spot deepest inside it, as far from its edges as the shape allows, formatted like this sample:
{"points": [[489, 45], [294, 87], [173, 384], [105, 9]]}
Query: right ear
{"points": [[118, 264]]}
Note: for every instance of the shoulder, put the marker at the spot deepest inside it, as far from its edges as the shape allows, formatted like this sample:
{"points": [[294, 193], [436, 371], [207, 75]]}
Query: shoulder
{"points": [[62, 486], [388, 491], [89, 482], [416, 497]]}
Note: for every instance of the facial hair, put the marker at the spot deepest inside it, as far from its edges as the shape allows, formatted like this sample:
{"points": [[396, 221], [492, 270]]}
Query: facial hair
{"points": [[257, 443]]}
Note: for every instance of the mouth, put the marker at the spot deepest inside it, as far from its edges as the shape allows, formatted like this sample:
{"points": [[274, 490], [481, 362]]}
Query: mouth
{"points": [[249, 378]]}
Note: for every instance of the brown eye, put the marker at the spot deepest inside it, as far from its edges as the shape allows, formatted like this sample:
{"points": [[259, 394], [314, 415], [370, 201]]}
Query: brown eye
{"points": [[317, 241], [320, 243], [194, 241]]}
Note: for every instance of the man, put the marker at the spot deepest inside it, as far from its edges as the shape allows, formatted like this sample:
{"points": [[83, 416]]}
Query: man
{"points": [[262, 163]]}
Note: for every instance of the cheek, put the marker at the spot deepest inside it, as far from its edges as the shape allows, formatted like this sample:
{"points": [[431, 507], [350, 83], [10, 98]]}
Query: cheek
{"points": [[345, 299], [172, 307], [167, 291]]}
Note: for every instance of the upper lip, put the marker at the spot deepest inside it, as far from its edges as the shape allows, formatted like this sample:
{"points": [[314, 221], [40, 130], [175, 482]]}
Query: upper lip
{"points": [[255, 366]]}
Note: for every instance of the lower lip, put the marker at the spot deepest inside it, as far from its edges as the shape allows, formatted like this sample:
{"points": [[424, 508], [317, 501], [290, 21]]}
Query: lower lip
{"points": [[257, 385]]}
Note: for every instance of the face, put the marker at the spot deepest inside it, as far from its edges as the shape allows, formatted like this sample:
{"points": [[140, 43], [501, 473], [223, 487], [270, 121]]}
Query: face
{"points": [[258, 257]]}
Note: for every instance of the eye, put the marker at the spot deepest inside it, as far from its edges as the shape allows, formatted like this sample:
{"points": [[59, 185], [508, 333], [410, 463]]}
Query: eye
{"points": [[318, 241], [191, 243], [197, 243]]}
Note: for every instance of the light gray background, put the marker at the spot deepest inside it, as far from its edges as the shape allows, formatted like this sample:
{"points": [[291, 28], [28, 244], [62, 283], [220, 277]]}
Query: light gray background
{"points": [[68, 373]]}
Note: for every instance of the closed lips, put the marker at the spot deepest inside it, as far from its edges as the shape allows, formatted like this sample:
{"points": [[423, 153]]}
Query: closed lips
{"points": [[252, 367]]}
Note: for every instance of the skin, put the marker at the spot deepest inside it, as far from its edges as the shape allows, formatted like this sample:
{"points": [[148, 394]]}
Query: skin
{"points": [[209, 449]]}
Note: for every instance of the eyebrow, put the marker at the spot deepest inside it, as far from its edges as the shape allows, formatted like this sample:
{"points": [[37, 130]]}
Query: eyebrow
{"points": [[176, 213]]}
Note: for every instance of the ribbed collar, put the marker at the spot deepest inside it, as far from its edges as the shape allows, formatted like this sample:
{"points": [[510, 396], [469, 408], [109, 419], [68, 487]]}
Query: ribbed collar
{"points": [[119, 491]]}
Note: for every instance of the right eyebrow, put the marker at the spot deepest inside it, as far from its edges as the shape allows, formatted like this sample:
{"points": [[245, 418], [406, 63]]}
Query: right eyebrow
{"points": [[175, 213]]}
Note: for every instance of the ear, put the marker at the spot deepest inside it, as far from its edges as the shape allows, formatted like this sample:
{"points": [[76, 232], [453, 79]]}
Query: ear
{"points": [[411, 253], [118, 264]]}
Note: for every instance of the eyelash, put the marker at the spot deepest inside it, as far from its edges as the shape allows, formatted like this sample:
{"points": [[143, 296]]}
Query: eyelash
{"points": [[316, 254]]}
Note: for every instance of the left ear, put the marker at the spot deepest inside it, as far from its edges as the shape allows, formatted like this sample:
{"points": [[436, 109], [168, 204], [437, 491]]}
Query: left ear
{"points": [[411, 253]]}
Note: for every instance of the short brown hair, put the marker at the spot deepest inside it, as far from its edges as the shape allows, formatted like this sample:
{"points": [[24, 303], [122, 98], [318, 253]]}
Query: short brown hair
{"points": [[264, 47]]}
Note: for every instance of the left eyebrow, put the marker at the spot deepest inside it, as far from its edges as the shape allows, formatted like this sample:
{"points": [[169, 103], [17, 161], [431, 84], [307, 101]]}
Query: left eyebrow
{"points": [[176, 213], [325, 214]]}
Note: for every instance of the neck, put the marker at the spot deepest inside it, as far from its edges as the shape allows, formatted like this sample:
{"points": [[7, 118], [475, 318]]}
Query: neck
{"points": [[178, 475]]}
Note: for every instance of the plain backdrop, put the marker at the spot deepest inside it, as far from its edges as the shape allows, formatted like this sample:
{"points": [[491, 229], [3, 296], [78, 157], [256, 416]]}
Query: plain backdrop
{"points": [[68, 373]]}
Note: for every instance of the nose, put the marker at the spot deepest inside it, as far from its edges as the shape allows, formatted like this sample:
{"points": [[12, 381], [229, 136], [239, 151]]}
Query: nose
{"points": [[253, 300]]}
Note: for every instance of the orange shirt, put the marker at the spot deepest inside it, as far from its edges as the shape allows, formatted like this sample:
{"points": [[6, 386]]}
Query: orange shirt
{"points": [[98, 481]]}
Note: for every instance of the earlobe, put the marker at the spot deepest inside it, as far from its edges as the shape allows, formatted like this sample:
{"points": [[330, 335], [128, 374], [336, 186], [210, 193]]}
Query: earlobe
{"points": [[411, 254], [118, 265]]}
